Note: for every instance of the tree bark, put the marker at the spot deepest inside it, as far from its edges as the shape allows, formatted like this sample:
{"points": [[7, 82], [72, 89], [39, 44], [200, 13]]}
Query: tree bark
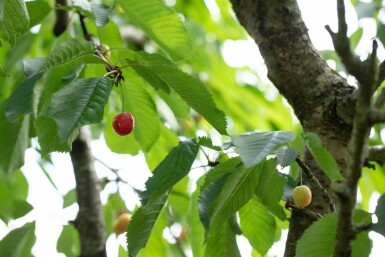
{"points": [[322, 100], [89, 221]]}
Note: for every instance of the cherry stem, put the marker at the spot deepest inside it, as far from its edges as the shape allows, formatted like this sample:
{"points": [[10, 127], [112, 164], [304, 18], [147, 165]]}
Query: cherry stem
{"points": [[121, 88]]}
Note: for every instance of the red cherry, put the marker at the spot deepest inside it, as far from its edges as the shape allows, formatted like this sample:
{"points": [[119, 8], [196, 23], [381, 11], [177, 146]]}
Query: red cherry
{"points": [[123, 123]]}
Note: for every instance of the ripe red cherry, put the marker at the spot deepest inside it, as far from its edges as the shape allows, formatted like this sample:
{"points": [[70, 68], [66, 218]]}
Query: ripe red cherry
{"points": [[123, 123]]}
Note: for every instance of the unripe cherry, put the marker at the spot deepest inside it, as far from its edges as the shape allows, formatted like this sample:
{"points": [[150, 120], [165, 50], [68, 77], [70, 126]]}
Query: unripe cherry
{"points": [[121, 223], [123, 123], [302, 196]]}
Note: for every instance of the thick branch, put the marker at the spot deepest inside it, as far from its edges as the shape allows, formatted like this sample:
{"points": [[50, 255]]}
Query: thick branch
{"points": [[357, 154], [321, 98], [89, 221]]}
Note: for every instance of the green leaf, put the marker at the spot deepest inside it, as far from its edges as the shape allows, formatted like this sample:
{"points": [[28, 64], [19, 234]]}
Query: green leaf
{"points": [[206, 141], [196, 229], [157, 244], [71, 50], [271, 183], [286, 155], [49, 140], [139, 103], [69, 198], [68, 242], [111, 210], [32, 66], [379, 227], [119, 144], [142, 223], [362, 244], [257, 225], [15, 20], [20, 101], [355, 38], [222, 243], [161, 24], [18, 242], [254, 147], [37, 11], [14, 138], [365, 10], [220, 170], [21, 208], [318, 240], [13, 195], [171, 170], [79, 103], [101, 13], [154, 67], [223, 198], [324, 159]]}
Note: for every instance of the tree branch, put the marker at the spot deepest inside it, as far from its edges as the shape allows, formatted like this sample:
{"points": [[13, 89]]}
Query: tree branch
{"points": [[320, 97], [376, 154], [357, 150], [342, 46], [89, 220], [381, 97], [325, 195], [61, 18]]}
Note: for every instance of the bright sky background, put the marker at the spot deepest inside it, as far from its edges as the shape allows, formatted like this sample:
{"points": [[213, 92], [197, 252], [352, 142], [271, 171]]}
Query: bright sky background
{"points": [[47, 202]]}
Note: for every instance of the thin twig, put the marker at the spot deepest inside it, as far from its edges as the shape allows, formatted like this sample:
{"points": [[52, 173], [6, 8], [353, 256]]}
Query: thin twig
{"points": [[362, 227], [325, 195], [311, 213], [341, 44]]}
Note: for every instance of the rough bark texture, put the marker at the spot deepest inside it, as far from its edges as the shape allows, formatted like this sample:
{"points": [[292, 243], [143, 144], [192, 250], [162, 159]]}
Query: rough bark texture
{"points": [[322, 100], [89, 221]]}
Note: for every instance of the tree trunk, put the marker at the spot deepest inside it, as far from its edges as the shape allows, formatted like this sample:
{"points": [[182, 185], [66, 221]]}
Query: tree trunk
{"points": [[322, 100], [89, 221]]}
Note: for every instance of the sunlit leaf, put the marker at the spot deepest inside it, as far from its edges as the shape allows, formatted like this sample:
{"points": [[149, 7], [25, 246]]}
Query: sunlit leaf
{"points": [[68, 242], [139, 103], [18, 242], [324, 159], [222, 243], [37, 11], [271, 183], [257, 225], [318, 240], [254, 147], [161, 24], [69, 198]]}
